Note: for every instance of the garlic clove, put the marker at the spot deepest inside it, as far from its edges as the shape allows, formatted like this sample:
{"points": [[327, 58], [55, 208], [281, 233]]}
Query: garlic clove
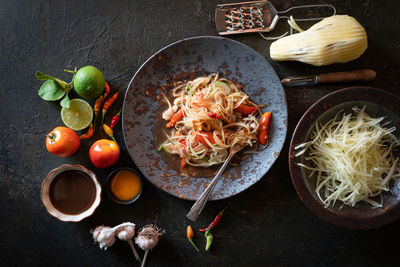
{"points": [[125, 232], [104, 236]]}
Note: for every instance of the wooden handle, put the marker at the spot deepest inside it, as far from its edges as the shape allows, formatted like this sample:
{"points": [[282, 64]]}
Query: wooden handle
{"points": [[348, 76]]}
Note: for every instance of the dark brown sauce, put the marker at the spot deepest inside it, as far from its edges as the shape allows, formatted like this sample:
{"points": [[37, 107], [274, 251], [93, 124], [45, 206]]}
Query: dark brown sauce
{"points": [[72, 192]]}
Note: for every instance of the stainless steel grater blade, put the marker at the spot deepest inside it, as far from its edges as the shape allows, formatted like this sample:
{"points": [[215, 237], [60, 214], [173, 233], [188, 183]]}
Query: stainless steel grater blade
{"points": [[245, 17]]}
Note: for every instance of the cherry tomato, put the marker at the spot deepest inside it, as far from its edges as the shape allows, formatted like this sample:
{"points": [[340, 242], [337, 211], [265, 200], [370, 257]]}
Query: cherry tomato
{"points": [[62, 142], [104, 153]]}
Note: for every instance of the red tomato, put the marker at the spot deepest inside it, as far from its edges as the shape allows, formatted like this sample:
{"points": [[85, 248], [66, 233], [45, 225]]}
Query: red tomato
{"points": [[104, 153], [62, 142]]}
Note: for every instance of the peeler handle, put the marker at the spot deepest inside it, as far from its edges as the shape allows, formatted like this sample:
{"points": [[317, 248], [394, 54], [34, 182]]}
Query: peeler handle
{"points": [[363, 75]]}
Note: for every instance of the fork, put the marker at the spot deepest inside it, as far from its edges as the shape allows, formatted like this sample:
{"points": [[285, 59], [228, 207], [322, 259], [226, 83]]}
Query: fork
{"points": [[198, 206]]}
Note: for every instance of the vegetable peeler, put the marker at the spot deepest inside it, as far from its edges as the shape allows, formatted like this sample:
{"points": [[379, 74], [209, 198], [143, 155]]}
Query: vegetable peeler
{"points": [[255, 16], [364, 75]]}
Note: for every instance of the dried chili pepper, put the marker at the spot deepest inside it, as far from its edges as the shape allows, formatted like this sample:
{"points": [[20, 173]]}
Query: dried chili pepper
{"points": [[89, 132], [115, 119], [97, 106], [209, 239], [263, 128], [215, 221], [109, 132], [175, 118], [107, 105], [190, 235]]}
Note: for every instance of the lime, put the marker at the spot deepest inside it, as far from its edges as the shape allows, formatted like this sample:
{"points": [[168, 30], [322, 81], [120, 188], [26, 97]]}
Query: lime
{"points": [[78, 116], [89, 82]]}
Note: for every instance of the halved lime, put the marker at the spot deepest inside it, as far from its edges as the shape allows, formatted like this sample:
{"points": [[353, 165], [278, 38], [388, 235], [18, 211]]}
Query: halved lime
{"points": [[78, 116]]}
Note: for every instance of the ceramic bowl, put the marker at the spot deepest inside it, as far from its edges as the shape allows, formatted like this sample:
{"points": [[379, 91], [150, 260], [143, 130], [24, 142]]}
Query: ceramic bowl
{"points": [[378, 103], [109, 190], [144, 129], [45, 196]]}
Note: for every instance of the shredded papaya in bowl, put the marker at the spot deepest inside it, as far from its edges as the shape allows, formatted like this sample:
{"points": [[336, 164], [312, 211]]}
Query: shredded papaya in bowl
{"points": [[343, 158]]}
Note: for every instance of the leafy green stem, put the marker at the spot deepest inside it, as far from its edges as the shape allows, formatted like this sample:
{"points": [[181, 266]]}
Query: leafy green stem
{"points": [[71, 71], [43, 76]]}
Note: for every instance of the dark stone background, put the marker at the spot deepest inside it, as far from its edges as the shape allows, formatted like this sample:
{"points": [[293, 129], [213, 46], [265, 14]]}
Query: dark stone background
{"points": [[267, 225]]}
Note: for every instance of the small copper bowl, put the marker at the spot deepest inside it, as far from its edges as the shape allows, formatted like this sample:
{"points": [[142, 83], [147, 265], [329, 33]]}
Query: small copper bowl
{"points": [[45, 194], [110, 194]]}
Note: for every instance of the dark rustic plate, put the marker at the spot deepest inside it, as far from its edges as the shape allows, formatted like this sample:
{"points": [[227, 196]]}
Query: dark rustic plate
{"points": [[378, 103], [187, 59]]}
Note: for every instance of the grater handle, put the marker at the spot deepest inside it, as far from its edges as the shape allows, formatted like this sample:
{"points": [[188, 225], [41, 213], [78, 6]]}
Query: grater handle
{"points": [[307, 7]]}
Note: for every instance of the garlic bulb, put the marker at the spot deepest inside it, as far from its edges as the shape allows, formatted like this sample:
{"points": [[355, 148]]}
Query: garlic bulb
{"points": [[125, 233], [148, 238], [336, 39], [104, 235], [145, 243]]}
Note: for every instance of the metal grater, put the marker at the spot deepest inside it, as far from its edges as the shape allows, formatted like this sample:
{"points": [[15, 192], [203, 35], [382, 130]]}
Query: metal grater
{"points": [[245, 17], [256, 16]]}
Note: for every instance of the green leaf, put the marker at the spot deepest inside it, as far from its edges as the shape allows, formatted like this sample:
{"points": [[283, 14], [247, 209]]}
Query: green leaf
{"points": [[51, 91], [42, 76], [65, 102]]}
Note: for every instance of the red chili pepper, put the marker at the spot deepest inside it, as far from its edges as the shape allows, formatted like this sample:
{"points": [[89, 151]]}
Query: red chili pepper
{"points": [[109, 132], [190, 235], [115, 119], [215, 221], [107, 105], [175, 118], [214, 115], [88, 134], [201, 136], [263, 128], [244, 109], [98, 103], [107, 89], [97, 106]]}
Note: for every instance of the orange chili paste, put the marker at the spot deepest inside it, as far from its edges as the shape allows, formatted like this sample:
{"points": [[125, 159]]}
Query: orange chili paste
{"points": [[125, 185]]}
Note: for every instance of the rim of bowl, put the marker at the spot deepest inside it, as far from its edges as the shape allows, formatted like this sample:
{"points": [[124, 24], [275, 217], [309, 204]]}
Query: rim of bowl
{"points": [[127, 202], [44, 196], [169, 46], [390, 214]]}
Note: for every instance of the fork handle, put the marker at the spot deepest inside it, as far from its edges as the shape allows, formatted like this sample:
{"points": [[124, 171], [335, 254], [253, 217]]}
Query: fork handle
{"points": [[199, 205]]}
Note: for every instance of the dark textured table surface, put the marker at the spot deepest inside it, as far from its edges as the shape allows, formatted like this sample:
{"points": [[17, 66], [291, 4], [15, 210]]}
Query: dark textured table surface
{"points": [[267, 225]]}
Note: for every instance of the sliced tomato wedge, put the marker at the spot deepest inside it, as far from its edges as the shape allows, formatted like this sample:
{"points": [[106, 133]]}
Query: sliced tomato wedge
{"points": [[175, 118], [263, 128], [244, 109], [202, 136]]}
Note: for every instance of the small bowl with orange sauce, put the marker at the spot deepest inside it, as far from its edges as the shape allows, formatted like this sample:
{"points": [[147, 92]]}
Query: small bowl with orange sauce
{"points": [[124, 185]]}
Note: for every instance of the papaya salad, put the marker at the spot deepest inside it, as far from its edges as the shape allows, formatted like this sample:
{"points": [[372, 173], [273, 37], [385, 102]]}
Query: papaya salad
{"points": [[207, 117]]}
